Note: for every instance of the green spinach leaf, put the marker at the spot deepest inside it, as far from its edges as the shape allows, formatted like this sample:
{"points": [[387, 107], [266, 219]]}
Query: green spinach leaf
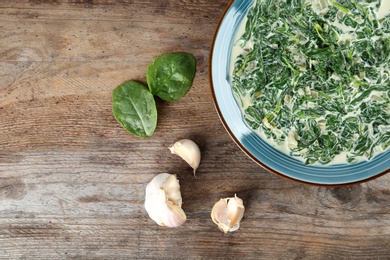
{"points": [[135, 109], [170, 76]]}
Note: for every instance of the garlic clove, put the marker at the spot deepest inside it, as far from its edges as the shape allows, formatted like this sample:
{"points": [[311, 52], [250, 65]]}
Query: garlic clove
{"points": [[163, 201], [227, 213], [189, 151], [218, 213], [235, 212], [174, 216]]}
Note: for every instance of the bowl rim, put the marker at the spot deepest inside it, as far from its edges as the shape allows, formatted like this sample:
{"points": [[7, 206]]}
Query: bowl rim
{"points": [[240, 145]]}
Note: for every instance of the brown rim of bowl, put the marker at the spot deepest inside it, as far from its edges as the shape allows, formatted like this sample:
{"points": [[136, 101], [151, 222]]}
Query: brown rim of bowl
{"points": [[238, 143]]}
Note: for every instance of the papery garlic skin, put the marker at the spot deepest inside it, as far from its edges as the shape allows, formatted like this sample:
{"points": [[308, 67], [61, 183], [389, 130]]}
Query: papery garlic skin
{"points": [[163, 201], [227, 213], [189, 151]]}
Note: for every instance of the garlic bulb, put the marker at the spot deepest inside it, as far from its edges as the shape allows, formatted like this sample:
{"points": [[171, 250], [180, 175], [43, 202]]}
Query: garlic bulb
{"points": [[227, 213], [188, 150], [163, 201]]}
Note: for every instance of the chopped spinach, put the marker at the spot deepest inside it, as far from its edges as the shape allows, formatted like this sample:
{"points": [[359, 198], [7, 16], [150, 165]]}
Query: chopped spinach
{"points": [[134, 108], [317, 72]]}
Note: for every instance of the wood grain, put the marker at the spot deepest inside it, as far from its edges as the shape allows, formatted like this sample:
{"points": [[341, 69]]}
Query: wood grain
{"points": [[72, 180]]}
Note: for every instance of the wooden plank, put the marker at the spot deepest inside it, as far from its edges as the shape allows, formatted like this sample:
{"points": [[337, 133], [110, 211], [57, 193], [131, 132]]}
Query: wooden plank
{"points": [[72, 180]]}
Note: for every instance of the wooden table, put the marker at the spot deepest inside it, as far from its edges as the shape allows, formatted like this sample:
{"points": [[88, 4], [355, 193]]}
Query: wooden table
{"points": [[72, 180]]}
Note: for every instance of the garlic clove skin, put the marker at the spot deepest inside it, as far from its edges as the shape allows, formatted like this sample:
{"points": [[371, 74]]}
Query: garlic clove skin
{"points": [[227, 213], [163, 201], [174, 216], [189, 151]]}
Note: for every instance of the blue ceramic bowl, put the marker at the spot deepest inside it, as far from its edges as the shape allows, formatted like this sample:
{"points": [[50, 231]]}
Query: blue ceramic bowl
{"points": [[253, 145]]}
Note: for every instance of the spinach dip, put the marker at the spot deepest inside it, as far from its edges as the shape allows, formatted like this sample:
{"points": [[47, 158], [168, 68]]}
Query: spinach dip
{"points": [[312, 77]]}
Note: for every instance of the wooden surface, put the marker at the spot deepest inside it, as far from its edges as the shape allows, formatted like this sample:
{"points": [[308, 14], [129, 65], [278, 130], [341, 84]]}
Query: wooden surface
{"points": [[72, 181]]}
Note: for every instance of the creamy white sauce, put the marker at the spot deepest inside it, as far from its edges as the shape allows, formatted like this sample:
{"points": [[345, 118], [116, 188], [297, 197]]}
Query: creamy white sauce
{"points": [[237, 49], [383, 10], [245, 100], [348, 33]]}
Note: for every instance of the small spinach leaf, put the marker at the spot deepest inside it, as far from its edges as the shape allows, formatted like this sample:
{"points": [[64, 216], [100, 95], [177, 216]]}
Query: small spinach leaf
{"points": [[134, 108], [170, 76]]}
